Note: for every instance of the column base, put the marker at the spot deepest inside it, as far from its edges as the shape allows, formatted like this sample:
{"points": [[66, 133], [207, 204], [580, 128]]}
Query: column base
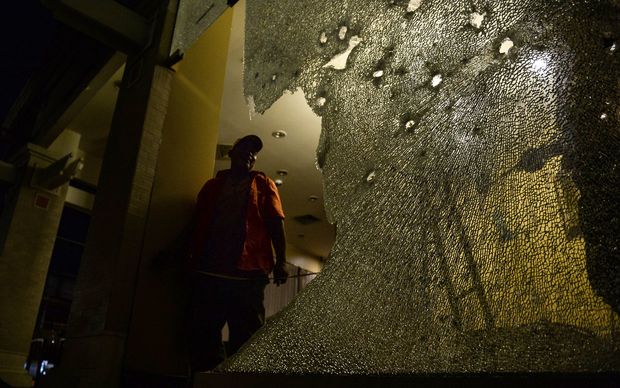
{"points": [[436, 380]]}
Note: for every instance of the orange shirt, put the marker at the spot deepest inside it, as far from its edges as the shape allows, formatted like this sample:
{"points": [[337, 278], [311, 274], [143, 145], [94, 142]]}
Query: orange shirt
{"points": [[263, 203]]}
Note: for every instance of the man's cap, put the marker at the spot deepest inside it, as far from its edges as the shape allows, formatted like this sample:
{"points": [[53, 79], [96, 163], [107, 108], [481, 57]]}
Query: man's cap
{"points": [[256, 142]]}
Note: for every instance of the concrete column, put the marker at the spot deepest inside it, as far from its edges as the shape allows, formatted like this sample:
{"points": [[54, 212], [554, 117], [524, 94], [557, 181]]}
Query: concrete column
{"points": [[104, 295], [30, 218]]}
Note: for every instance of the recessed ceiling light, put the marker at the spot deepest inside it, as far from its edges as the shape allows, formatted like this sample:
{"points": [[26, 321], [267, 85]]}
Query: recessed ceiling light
{"points": [[313, 198], [278, 134], [279, 182], [282, 173]]}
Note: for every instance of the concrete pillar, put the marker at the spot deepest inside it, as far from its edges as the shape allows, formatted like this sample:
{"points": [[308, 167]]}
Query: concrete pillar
{"points": [[104, 294], [30, 218]]}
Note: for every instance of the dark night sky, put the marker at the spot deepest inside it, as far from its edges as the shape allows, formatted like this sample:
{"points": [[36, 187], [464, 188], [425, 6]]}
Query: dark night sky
{"points": [[27, 32]]}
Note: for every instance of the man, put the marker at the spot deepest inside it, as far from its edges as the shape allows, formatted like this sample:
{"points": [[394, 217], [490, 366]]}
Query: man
{"points": [[238, 218]]}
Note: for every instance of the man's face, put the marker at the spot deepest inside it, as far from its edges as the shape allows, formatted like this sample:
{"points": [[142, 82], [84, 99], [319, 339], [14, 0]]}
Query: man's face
{"points": [[243, 156]]}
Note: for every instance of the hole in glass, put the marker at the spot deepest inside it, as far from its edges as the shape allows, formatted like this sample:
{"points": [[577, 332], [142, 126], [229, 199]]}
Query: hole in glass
{"points": [[506, 45], [323, 38], [413, 5], [476, 19], [339, 61]]}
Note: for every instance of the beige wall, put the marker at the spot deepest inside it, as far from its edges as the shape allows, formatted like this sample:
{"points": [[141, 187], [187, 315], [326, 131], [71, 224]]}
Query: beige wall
{"points": [[186, 160]]}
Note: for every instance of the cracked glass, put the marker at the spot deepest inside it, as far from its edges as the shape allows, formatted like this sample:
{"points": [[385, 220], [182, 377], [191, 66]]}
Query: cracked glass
{"points": [[194, 17], [470, 155]]}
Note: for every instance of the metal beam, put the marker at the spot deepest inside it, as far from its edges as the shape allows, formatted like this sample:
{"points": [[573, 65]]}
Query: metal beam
{"points": [[46, 135], [104, 20]]}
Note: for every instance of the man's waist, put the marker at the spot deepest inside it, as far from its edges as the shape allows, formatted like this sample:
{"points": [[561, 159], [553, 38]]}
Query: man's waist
{"points": [[245, 276], [228, 269]]}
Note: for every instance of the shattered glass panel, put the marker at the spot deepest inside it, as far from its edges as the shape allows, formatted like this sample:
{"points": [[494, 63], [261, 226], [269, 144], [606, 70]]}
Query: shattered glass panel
{"points": [[470, 154], [193, 18]]}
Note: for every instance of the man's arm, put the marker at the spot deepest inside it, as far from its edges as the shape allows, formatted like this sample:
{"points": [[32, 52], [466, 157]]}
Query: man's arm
{"points": [[278, 239]]}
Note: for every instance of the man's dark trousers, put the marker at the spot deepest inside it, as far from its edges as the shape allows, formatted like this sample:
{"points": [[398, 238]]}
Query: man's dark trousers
{"points": [[216, 301]]}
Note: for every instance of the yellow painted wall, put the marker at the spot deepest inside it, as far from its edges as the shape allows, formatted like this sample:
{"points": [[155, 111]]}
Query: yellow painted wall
{"points": [[186, 160], [187, 154], [539, 274]]}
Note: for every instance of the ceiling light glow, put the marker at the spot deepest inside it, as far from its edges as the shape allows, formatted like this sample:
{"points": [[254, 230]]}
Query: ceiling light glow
{"points": [[278, 134], [540, 65]]}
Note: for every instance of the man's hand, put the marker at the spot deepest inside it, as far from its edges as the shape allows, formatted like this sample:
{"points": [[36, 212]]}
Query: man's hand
{"points": [[280, 275], [276, 230]]}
